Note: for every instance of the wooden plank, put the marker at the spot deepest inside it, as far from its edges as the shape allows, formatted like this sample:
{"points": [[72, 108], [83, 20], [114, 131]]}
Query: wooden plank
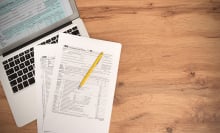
{"points": [[169, 71]]}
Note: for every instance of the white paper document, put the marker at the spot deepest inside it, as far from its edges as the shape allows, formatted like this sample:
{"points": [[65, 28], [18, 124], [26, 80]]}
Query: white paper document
{"points": [[88, 109], [44, 66]]}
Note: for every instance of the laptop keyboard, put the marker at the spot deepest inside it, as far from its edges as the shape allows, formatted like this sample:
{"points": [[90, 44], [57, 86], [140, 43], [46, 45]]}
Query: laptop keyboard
{"points": [[20, 68], [52, 40]]}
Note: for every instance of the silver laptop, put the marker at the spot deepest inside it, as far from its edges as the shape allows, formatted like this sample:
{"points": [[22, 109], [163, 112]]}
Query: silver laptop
{"points": [[23, 25]]}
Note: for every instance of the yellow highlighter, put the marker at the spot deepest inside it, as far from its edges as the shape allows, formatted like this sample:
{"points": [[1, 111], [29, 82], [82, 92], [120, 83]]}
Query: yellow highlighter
{"points": [[90, 70]]}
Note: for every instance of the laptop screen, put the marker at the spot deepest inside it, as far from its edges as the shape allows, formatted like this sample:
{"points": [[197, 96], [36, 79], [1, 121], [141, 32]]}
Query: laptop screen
{"points": [[21, 18]]}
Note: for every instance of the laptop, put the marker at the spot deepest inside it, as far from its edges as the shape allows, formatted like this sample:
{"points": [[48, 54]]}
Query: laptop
{"points": [[23, 25]]}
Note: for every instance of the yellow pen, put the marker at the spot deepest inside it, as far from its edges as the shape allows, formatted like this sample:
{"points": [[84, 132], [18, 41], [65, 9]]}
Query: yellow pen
{"points": [[91, 70]]}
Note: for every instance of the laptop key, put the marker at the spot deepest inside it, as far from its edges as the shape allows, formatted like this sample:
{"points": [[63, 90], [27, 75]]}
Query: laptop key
{"points": [[20, 73], [31, 80], [27, 56], [15, 89], [32, 54], [30, 75], [21, 54], [32, 60], [25, 84], [21, 65], [31, 49], [53, 38], [25, 70], [10, 71], [43, 43], [24, 77], [75, 32], [74, 28], [13, 83], [30, 68], [27, 63], [26, 51], [6, 66], [11, 64], [48, 41], [20, 86], [19, 80], [16, 56], [17, 61], [22, 58], [12, 76], [16, 68], [10, 59], [69, 31], [5, 62]]}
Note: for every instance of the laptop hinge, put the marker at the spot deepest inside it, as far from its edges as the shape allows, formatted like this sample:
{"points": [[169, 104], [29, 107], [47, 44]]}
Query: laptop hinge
{"points": [[35, 39]]}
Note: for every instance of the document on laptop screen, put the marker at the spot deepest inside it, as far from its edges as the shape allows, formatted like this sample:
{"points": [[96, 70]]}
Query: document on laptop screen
{"points": [[20, 18]]}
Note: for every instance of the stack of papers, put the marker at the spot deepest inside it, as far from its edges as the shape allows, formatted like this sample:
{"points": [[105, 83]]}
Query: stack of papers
{"points": [[63, 107]]}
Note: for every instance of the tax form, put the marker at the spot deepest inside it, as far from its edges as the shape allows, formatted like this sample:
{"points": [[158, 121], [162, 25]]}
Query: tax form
{"points": [[44, 68], [88, 109]]}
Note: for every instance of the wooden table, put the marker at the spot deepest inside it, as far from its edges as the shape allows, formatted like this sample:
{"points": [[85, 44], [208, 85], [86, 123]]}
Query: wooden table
{"points": [[169, 74]]}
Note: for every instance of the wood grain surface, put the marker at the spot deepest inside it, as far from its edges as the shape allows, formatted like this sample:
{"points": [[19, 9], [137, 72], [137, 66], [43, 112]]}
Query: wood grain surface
{"points": [[169, 74]]}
